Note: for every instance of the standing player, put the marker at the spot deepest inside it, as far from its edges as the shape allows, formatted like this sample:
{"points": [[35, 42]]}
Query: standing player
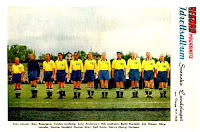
{"points": [[148, 66], [90, 69], [104, 72], [18, 75], [33, 74], [61, 74], [76, 74], [162, 67], [49, 72], [119, 74], [134, 73]]}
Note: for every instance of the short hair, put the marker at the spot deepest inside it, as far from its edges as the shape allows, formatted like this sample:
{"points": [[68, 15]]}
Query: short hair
{"points": [[59, 53], [76, 53], [103, 53], [119, 52], [16, 58], [161, 54], [133, 52], [148, 52], [89, 52], [48, 54], [32, 54]]}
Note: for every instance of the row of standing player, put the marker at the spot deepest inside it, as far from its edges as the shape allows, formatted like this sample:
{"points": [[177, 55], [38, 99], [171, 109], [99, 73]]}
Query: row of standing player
{"points": [[149, 70]]}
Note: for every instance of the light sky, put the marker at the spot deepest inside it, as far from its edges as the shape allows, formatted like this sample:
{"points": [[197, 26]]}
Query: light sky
{"points": [[104, 29]]}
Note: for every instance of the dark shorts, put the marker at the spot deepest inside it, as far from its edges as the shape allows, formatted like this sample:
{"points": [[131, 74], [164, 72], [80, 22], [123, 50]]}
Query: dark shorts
{"points": [[76, 75], [47, 76], [119, 75], [16, 78], [148, 75], [134, 75], [32, 75], [162, 76], [89, 76], [60, 75], [103, 75]]}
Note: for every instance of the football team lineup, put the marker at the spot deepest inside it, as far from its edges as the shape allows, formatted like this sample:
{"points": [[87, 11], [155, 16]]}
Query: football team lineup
{"points": [[103, 70]]}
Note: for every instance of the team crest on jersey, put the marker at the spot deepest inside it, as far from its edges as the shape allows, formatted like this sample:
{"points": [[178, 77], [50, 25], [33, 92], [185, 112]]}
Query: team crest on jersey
{"points": [[19, 67], [61, 64], [50, 64], [135, 62], [121, 63], [151, 63], [77, 64], [91, 62], [106, 63], [164, 66]]}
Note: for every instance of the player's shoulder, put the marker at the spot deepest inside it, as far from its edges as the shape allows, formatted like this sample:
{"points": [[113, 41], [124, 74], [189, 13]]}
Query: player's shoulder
{"points": [[80, 60], [93, 60], [138, 59], [158, 62]]}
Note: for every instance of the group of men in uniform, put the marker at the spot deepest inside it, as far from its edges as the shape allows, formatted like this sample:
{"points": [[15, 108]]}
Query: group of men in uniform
{"points": [[148, 70]]}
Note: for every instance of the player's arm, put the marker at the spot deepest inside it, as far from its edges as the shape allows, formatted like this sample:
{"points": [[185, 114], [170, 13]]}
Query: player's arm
{"points": [[70, 68], [128, 67], [95, 68], [85, 66], [139, 67], [38, 71], [113, 66], [54, 70], [22, 75], [81, 68], [156, 70], [66, 70], [43, 69], [143, 65], [109, 69], [124, 68], [98, 67], [168, 70]]}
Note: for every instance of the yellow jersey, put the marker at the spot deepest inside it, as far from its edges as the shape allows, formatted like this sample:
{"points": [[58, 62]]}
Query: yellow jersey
{"points": [[61, 65], [162, 66], [17, 68], [148, 65], [50, 66], [90, 65], [104, 65], [76, 65], [119, 64], [134, 64]]}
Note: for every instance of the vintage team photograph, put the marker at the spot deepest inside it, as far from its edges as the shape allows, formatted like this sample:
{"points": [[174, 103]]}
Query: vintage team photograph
{"points": [[89, 63]]}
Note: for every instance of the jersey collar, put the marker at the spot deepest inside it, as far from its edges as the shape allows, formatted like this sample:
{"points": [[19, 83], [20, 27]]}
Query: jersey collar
{"points": [[102, 60]]}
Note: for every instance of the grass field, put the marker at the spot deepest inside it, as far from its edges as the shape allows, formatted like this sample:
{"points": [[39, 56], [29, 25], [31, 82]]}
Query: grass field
{"points": [[87, 109]]}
